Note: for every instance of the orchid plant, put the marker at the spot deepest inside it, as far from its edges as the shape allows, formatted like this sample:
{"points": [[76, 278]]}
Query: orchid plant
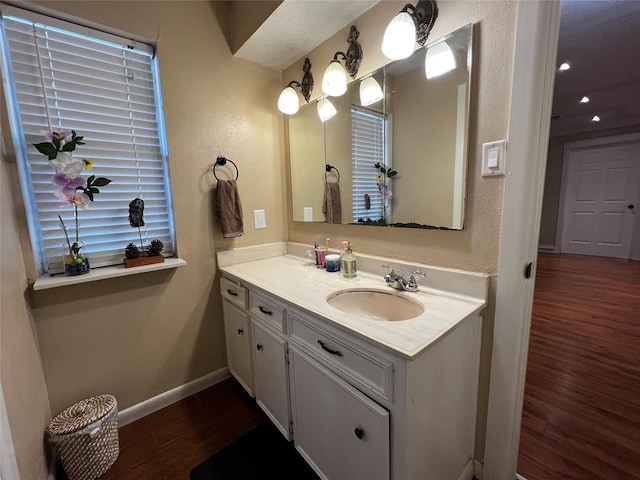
{"points": [[384, 188], [73, 188]]}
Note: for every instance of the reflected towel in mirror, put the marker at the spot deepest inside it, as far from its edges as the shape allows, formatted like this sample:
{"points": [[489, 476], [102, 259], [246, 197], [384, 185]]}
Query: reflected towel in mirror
{"points": [[229, 208], [331, 204]]}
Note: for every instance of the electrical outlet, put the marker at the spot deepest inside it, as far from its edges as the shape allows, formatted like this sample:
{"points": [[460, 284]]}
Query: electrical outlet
{"points": [[259, 220]]}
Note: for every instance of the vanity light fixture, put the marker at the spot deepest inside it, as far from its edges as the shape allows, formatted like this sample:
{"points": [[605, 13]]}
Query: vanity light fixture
{"points": [[288, 102], [326, 110], [334, 82], [370, 91], [585, 100], [564, 66], [439, 60], [412, 25]]}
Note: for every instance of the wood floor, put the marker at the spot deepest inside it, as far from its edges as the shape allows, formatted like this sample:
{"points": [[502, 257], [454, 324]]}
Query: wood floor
{"points": [[581, 415], [167, 444]]}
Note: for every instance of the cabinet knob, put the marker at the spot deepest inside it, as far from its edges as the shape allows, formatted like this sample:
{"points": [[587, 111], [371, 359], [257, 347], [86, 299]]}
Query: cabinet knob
{"points": [[240, 331], [359, 433], [259, 347]]}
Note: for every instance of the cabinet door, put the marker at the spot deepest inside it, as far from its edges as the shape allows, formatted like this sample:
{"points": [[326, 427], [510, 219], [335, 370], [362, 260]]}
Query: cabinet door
{"points": [[238, 341], [271, 376], [341, 432]]}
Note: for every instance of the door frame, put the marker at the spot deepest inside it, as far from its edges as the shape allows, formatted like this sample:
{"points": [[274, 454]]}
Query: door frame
{"points": [[538, 25], [564, 181]]}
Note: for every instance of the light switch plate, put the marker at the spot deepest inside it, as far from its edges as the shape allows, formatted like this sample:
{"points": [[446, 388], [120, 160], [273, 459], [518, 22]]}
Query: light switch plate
{"points": [[308, 214], [494, 158], [259, 220]]}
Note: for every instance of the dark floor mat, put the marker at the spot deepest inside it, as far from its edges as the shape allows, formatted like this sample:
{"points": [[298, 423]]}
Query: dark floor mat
{"points": [[261, 453]]}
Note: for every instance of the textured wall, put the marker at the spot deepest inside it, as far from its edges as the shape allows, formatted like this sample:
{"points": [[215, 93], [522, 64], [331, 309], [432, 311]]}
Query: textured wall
{"points": [[23, 384], [139, 336]]}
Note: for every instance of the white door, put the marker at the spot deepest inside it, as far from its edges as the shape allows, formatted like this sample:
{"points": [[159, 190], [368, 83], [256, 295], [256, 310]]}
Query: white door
{"points": [[600, 200], [271, 376]]}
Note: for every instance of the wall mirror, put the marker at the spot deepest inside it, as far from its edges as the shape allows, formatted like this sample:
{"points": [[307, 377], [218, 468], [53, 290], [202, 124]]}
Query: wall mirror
{"points": [[417, 128]]}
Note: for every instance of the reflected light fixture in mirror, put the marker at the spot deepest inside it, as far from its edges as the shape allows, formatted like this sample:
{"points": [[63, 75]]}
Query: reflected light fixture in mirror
{"points": [[412, 25], [288, 102], [439, 60], [370, 91], [334, 82], [326, 110]]}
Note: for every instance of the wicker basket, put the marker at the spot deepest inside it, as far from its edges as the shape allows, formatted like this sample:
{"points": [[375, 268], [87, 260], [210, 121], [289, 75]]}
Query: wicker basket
{"points": [[85, 437]]}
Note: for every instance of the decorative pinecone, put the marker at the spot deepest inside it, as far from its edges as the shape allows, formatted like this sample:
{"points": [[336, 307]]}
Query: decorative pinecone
{"points": [[131, 251], [154, 248]]}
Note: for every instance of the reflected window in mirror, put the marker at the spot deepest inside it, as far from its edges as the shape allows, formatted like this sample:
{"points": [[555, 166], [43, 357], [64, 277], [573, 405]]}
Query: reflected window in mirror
{"points": [[368, 184]]}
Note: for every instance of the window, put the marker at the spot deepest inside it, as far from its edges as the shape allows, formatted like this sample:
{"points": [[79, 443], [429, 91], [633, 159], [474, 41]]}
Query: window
{"points": [[367, 149], [62, 76]]}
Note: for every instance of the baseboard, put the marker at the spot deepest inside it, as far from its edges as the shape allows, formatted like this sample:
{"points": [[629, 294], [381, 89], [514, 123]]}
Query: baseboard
{"points": [[477, 469], [467, 472], [174, 395], [547, 248], [520, 477]]}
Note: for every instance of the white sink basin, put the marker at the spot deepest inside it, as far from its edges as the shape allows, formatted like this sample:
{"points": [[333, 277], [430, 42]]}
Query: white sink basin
{"points": [[374, 304]]}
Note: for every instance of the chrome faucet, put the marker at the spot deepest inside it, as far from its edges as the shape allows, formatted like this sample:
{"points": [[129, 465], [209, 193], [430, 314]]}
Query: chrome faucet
{"points": [[400, 282]]}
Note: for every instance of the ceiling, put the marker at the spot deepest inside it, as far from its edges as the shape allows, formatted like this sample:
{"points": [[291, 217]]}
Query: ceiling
{"points": [[298, 26], [600, 39]]}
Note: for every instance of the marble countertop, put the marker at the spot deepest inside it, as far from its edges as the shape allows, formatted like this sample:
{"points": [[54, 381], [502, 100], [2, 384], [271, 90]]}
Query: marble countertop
{"points": [[307, 288]]}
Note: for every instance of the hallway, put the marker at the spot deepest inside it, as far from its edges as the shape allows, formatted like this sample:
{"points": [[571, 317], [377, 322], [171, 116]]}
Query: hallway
{"points": [[581, 416]]}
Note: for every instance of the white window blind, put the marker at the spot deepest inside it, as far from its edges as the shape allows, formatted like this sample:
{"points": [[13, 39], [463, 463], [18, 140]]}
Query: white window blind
{"points": [[66, 77], [367, 149]]}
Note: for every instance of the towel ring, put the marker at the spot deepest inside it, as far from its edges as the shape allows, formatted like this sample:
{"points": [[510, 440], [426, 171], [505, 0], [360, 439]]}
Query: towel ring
{"points": [[222, 161], [328, 168]]}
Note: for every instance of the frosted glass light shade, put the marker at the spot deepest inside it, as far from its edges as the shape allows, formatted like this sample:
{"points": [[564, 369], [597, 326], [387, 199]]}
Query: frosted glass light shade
{"points": [[326, 110], [439, 60], [288, 102], [370, 91], [334, 82], [399, 39]]}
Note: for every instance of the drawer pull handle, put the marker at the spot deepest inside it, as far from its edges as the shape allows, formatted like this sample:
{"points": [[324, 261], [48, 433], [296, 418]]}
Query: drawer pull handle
{"points": [[258, 346], [264, 310], [327, 349], [232, 293], [240, 331], [359, 433]]}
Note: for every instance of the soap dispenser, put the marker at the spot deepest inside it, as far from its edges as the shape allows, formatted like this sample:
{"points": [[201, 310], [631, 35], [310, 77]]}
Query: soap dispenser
{"points": [[348, 261]]}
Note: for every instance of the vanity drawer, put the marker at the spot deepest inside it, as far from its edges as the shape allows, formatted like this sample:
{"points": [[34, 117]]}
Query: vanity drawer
{"points": [[234, 292], [371, 373], [268, 309]]}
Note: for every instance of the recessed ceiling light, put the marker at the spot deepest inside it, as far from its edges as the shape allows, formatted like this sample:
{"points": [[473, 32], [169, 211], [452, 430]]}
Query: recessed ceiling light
{"points": [[584, 100], [564, 66], [595, 118]]}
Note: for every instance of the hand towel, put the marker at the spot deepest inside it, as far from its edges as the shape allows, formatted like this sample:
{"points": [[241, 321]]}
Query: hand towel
{"points": [[229, 208], [331, 203]]}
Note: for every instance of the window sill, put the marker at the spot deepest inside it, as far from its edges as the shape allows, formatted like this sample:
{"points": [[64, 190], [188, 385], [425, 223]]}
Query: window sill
{"points": [[102, 273]]}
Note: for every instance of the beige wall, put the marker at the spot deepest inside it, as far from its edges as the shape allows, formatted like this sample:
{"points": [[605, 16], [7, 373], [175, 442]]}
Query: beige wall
{"points": [[139, 336], [476, 247], [23, 383]]}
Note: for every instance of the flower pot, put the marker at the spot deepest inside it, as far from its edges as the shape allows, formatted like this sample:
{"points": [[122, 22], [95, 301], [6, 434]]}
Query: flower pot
{"points": [[74, 260]]}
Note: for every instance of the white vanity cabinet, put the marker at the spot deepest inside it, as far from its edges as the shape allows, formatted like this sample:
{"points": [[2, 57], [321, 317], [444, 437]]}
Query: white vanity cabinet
{"points": [[270, 360], [416, 418], [362, 399], [237, 332]]}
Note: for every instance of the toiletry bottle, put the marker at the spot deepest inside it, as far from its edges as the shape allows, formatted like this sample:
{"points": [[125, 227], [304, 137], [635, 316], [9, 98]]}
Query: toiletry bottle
{"points": [[348, 263]]}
